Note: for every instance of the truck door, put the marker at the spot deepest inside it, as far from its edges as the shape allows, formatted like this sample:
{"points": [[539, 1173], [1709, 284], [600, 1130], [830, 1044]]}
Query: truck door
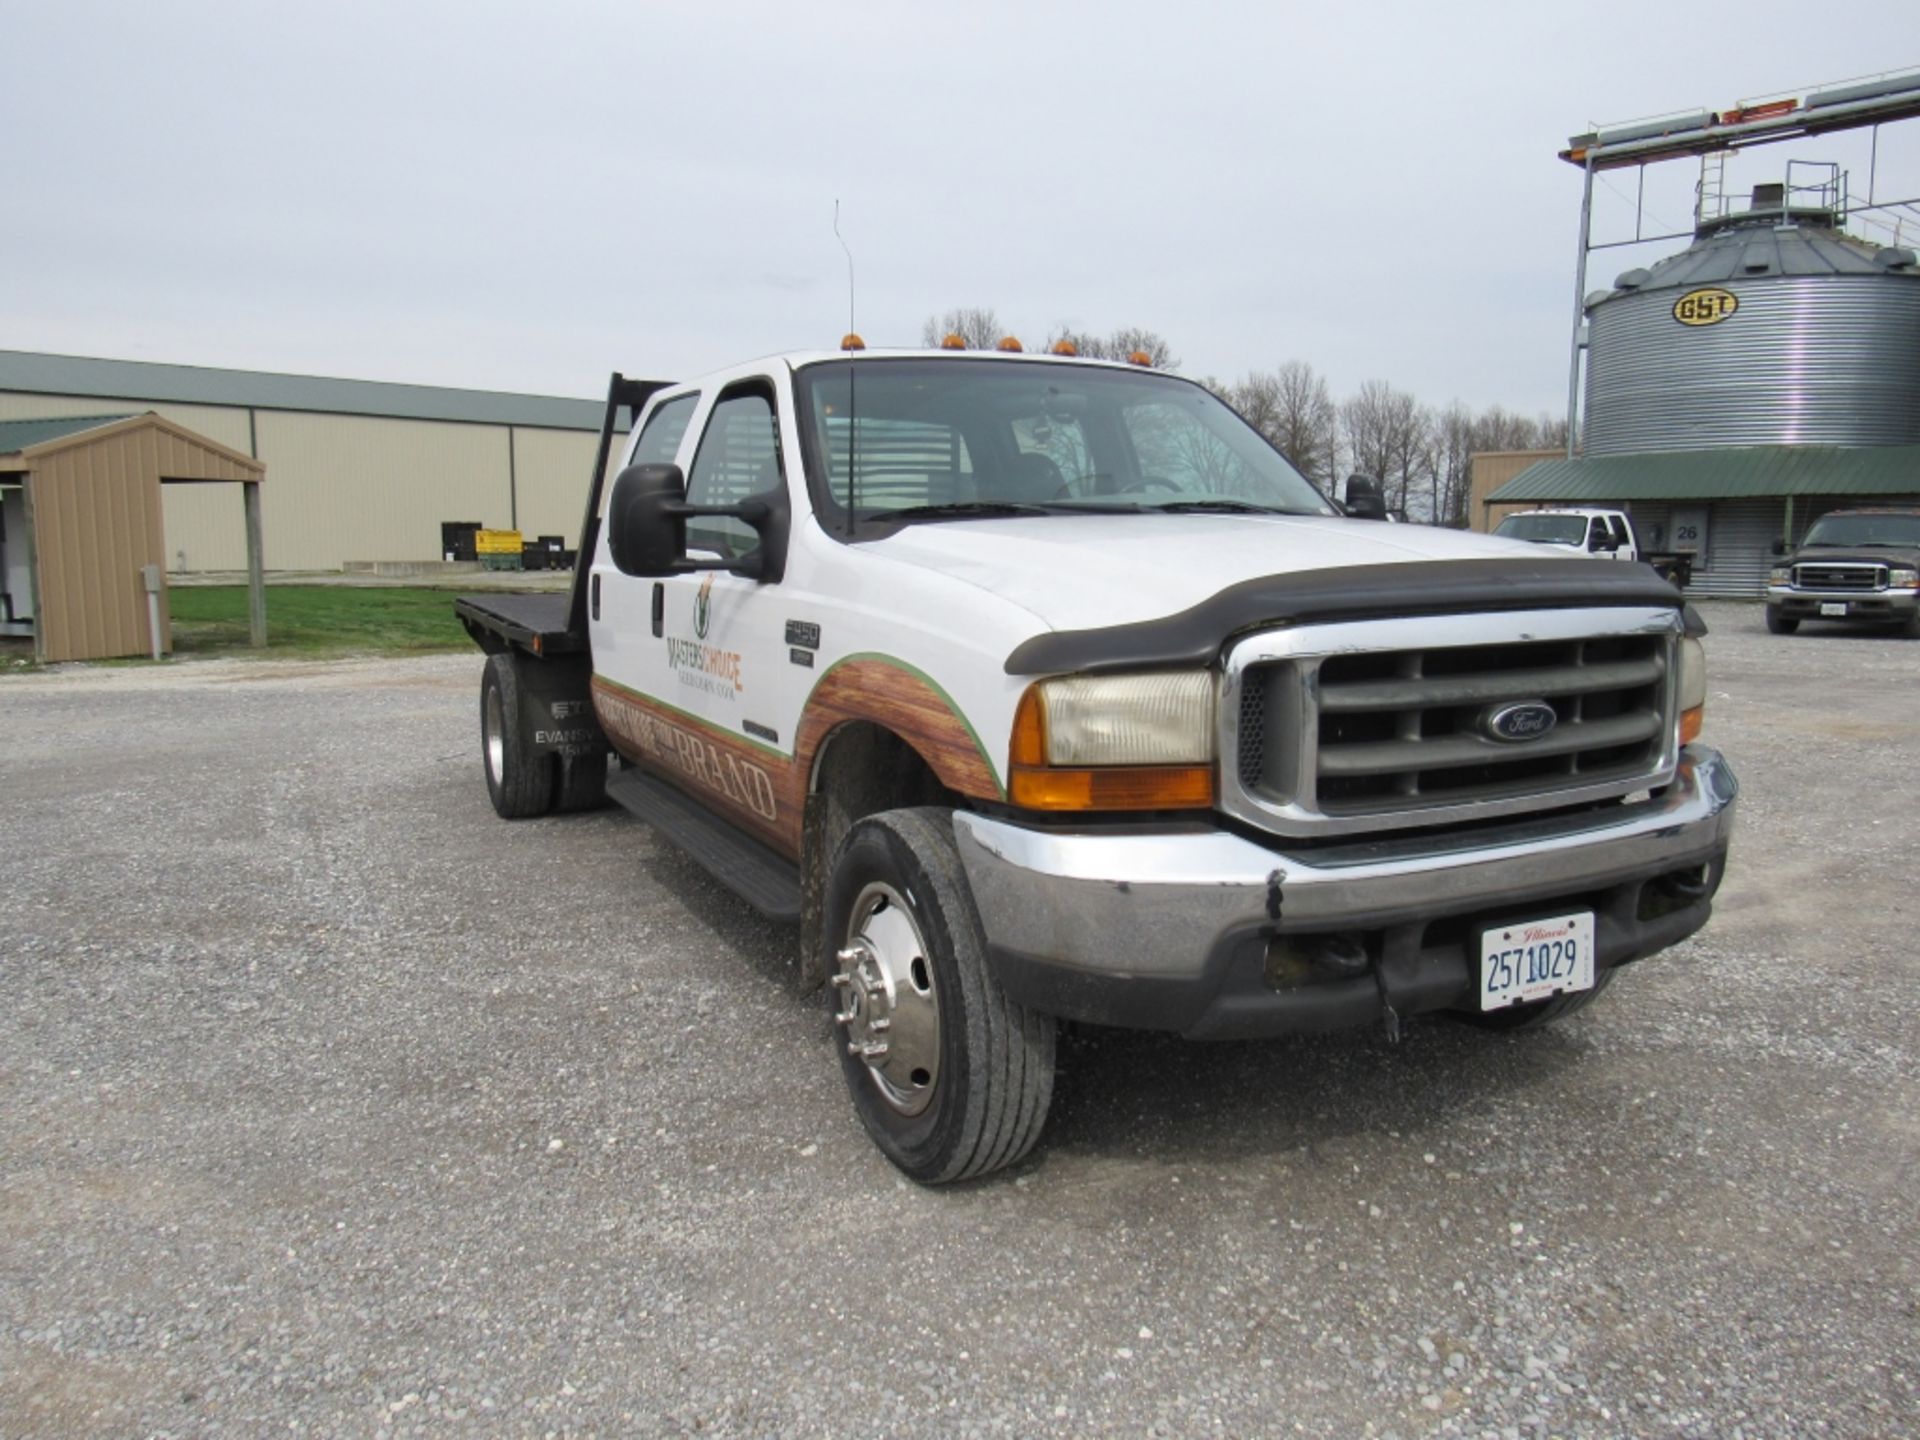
{"points": [[710, 658], [619, 607]]}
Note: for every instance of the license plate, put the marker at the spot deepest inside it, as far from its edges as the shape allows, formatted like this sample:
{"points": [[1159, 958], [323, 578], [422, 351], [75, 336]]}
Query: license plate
{"points": [[1532, 959], [1834, 609]]}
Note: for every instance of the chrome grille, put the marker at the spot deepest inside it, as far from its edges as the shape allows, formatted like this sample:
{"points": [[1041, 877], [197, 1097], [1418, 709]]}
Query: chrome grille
{"points": [[1840, 577], [1349, 727]]}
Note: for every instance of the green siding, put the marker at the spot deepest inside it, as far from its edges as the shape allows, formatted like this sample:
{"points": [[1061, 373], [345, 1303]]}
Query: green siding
{"points": [[17, 435]]}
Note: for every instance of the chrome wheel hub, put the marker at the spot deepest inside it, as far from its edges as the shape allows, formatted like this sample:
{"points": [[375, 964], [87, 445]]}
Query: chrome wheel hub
{"points": [[886, 1000]]}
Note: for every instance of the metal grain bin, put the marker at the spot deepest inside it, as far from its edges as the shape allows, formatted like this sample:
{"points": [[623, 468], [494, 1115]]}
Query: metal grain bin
{"points": [[1771, 329]]}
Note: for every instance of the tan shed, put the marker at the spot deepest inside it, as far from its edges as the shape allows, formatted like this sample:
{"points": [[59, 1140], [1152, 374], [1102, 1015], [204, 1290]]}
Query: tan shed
{"points": [[83, 549]]}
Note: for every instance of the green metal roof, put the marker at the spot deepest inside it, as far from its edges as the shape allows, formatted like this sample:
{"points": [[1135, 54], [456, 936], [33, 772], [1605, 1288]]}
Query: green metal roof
{"points": [[17, 435], [145, 382], [1722, 474]]}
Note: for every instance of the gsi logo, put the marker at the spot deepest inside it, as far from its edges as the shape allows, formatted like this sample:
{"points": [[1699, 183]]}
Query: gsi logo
{"points": [[1705, 307]]}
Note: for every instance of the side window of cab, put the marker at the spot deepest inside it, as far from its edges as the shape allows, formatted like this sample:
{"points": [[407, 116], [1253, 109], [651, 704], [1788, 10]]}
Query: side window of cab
{"points": [[739, 455], [660, 436]]}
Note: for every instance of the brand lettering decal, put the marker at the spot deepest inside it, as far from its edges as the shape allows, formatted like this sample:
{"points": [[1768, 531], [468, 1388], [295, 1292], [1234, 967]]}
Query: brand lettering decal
{"points": [[694, 756], [1705, 307], [804, 634], [700, 666], [801, 657]]}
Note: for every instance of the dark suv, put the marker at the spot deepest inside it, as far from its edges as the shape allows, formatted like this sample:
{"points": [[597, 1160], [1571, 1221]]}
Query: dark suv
{"points": [[1861, 565]]}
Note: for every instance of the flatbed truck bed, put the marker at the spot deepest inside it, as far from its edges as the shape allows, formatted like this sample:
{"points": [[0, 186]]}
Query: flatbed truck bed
{"points": [[537, 623]]}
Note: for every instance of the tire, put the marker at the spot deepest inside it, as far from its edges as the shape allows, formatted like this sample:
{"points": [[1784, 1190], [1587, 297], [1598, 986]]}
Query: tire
{"points": [[1779, 624], [519, 783], [966, 1075], [1541, 1012], [582, 783]]}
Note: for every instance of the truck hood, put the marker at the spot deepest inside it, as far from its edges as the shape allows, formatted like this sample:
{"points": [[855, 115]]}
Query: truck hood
{"points": [[1081, 572], [1891, 555]]}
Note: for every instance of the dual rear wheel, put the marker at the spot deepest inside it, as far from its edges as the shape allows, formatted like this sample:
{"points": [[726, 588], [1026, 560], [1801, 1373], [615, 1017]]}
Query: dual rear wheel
{"points": [[522, 781]]}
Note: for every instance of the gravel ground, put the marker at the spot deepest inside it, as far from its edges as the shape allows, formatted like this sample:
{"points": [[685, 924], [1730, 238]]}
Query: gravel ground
{"points": [[329, 1104]]}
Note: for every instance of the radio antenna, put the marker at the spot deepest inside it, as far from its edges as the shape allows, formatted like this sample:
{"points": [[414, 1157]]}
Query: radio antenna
{"points": [[843, 245], [853, 399]]}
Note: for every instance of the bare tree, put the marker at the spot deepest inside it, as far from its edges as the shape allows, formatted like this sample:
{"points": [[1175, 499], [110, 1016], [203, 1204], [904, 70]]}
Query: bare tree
{"points": [[978, 325], [1384, 428], [1125, 342]]}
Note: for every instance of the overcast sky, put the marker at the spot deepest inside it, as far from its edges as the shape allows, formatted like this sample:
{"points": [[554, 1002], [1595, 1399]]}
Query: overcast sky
{"points": [[526, 197]]}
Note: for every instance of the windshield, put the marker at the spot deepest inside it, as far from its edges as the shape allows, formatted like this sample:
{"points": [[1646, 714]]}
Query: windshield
{"points": [[912, 440], [1547, 529], [1882, 529]]}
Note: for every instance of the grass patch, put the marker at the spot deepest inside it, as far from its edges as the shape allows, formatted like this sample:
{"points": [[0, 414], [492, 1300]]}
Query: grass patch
{"points": [[318, 620]]}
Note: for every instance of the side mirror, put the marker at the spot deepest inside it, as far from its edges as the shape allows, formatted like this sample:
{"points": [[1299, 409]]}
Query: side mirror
{"points": [[1364, 499], [1780, 547], [1598, 541], [646, 529], [647, 526]]}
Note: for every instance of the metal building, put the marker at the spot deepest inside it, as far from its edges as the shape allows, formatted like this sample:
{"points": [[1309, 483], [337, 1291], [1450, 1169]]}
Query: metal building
{"points": [[363, 472], [82, 538], [1743, 387]]}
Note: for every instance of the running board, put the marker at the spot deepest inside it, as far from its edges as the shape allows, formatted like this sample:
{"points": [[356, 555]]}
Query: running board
{"points": [[746, 867]]}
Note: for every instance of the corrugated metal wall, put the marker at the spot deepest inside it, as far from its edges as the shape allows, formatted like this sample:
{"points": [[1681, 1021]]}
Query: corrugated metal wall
{"points": [[96, 515], [349, 488], [551, 468], [1740, 536], [1833, 360]]}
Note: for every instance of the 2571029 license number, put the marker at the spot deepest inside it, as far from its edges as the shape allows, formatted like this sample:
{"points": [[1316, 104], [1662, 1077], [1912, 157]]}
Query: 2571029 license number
{"points": [[1533, 959]]}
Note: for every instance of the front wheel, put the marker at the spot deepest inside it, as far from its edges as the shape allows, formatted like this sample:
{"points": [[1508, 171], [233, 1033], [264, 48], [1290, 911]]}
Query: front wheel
{"points": [[1779, 623], [950, 1077]]}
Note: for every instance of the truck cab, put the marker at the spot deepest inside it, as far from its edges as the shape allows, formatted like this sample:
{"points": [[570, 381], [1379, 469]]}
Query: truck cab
{"points": [[1033, 689], [1604, 533]]}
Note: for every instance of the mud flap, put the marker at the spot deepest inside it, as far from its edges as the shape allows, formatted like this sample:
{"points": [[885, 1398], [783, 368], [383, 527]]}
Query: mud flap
{"points": [[556, 708]]}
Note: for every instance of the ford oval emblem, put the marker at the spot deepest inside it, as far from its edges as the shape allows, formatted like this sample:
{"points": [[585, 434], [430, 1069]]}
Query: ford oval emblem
{"points": [[1524, 720]]}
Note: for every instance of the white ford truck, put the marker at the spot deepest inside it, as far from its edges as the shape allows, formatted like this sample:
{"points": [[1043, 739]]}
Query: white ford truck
{"points": [[1604, 534], [1034, 689]]}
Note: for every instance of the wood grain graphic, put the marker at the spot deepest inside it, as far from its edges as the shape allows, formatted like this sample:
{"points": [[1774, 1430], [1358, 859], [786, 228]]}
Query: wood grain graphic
{"points": [[765, 792], [890, 695]]}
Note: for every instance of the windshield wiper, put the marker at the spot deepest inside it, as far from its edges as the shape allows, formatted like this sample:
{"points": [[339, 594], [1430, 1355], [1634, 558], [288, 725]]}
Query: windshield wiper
{"points": [[1219, 507], [961, 510]]}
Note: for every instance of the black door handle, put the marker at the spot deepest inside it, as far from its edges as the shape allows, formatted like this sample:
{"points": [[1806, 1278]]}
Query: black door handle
{"points": [[659, 608]]}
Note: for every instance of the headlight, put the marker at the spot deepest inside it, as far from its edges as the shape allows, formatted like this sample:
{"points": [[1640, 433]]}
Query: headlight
{"points": [[1115, 742], [1904, 578], [1691, 681], [1780, 575]]}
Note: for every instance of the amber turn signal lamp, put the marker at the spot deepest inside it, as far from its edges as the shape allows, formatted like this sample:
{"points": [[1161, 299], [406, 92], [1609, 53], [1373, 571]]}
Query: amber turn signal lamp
{"points": [[1065, 347], [851, 341], [1140, 357], [1035, 785], [1011, 345], [1124, 787], [953, 341], [1691, 723]]}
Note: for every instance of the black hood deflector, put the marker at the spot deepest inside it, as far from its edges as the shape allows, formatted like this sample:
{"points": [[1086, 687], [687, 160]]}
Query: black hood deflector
{"points": [[1359, 592]]}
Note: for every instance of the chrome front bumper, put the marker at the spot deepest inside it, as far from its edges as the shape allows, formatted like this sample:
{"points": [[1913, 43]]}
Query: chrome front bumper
{"points": [[1075, 918], [1863, 604]]}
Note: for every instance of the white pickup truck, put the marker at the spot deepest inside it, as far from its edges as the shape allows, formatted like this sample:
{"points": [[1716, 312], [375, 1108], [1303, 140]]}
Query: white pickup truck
{"points": [[1032, 688], [1603, 534]]}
